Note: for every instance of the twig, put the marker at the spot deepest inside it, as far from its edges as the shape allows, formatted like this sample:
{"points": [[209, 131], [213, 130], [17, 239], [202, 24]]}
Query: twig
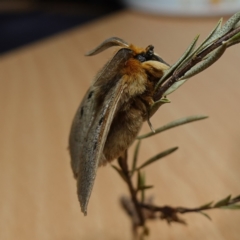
{"points": [[192, 62], [170, 213], [124, 167]]}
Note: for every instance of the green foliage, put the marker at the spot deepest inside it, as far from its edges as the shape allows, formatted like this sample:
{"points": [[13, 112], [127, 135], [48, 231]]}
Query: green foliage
{"points": [[223, 202], [173, 124], [119, 171], [205, 215], [157, 157]]}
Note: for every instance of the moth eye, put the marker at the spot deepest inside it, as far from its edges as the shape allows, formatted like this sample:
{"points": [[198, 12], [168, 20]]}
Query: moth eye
{"points": [[90, 94], [141, 58]]}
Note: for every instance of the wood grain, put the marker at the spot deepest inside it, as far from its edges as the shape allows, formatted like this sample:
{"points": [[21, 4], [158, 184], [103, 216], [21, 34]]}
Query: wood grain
{"points": [[40, 88]]}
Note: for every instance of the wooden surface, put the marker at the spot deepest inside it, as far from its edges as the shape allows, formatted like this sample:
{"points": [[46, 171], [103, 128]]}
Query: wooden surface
{"points": [[42, 84]]}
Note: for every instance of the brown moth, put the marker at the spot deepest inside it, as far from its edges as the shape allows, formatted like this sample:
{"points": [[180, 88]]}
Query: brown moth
{"points": [[112, 111]]}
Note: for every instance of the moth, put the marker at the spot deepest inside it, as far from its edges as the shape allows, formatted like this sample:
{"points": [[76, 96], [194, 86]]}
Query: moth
{"points": [[112, 111]]}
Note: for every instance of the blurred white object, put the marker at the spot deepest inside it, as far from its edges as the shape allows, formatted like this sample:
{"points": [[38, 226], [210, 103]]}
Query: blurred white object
{"points": [[186, 7]]}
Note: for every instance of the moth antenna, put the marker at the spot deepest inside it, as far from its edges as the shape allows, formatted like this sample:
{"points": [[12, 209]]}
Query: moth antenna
{"points": [[110, 42], [150, 125]]}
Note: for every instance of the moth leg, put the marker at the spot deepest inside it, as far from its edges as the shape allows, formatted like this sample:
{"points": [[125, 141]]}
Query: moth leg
{"points": [[150, 124], [156, 105]]}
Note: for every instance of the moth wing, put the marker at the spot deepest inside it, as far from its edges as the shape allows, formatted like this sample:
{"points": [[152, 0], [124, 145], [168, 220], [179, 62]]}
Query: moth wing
{"points": [[94, 145], [90, 126], [80, 126]]}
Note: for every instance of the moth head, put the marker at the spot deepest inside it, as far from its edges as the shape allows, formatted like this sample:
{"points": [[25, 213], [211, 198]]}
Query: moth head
{"points": [[150, 61], [148, 55], [140, 54]]}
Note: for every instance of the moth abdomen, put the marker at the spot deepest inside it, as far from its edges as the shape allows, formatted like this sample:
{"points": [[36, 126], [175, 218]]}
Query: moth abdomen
{"points": [[123, 131]]}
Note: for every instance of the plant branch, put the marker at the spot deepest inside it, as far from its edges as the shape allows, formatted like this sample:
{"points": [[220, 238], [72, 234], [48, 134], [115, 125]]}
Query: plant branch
{"points": [[170, 213], [193, 62], [125, 171]]}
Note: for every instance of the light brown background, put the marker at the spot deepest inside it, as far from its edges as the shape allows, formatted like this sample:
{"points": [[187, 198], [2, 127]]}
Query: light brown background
{"points": [[42, 84]]}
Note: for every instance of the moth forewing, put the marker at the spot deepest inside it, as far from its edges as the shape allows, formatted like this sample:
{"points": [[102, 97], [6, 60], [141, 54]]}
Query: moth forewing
{"points": [[92, 151], [83, 135], [80, 126], [106, 77], [87, 110]]}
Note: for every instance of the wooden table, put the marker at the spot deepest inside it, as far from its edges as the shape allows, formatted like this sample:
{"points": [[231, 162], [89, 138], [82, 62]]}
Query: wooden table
{"points": [[41, 86]]}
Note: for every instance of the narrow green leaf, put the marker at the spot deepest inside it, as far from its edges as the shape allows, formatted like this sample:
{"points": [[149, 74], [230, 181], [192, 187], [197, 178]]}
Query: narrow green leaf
{"points": [[135, 157], [207, 62], [237, 197], [141, 180], [229, 25], [169, 72], [156, 106], [232, 206], [173, 124], [236, 25], [223, 202], [119, 171], [145, 187], [207, 205], [175, 86], [186, 58], [206, 215], [141, 184], [158, 157], [233, 40], [210, 37], [204, 44]]}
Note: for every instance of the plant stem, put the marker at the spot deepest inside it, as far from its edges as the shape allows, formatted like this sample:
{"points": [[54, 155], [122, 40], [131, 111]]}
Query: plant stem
{"points": [[124, 167]]}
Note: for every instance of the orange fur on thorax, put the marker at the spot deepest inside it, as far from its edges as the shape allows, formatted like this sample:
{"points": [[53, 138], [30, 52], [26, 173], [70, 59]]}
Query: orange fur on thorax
{"points": [[133, 67], [135, 77], [136, 50]]}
